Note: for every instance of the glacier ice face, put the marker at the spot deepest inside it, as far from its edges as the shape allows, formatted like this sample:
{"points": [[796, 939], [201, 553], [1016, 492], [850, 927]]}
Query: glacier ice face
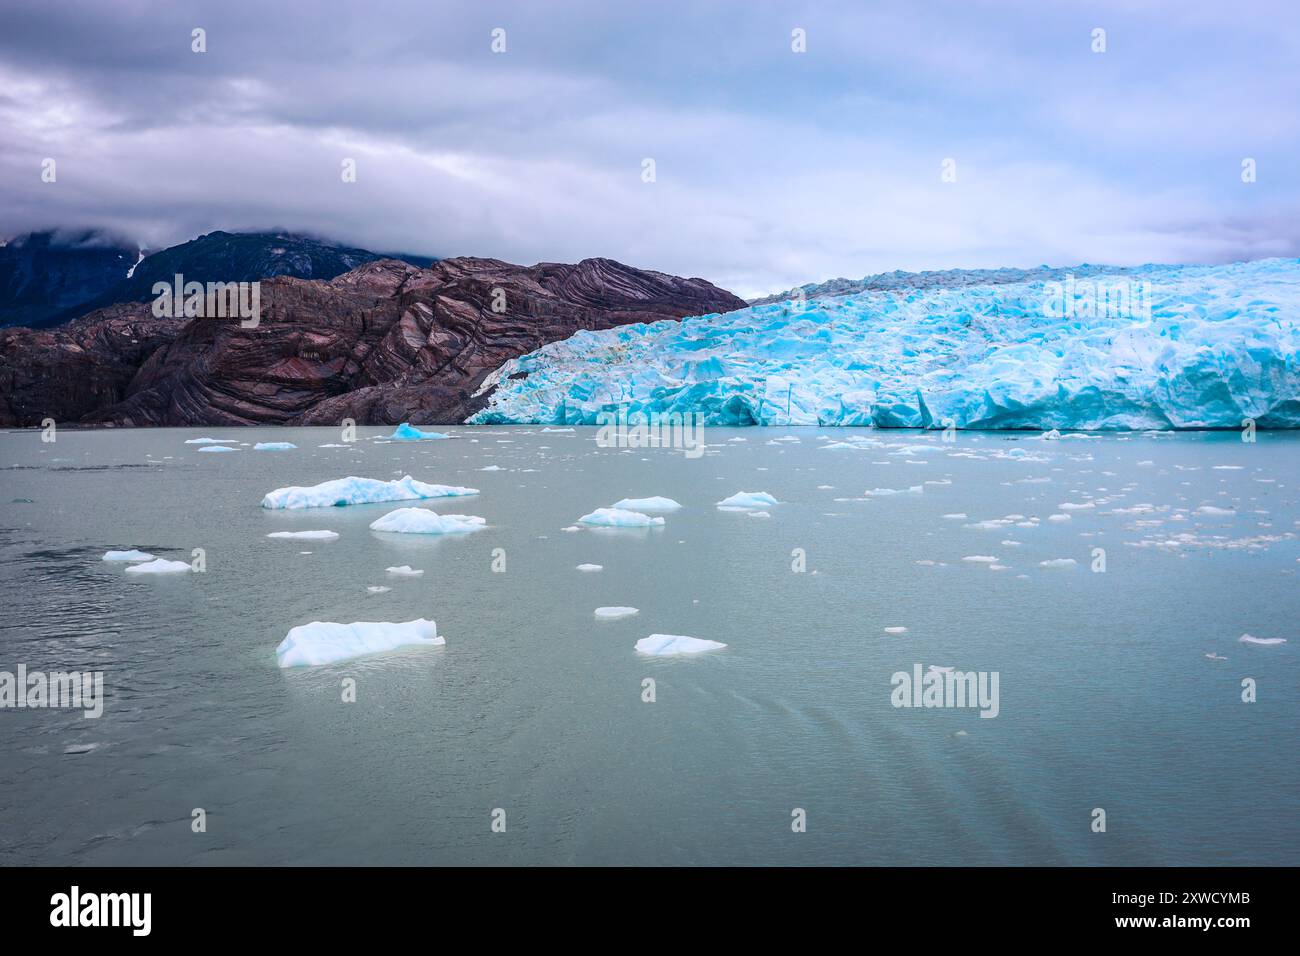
{"points": [[324, 642], [1151, 347], [359, 491], [663, 645], [424, 521], [619, 518], [408, 432]]}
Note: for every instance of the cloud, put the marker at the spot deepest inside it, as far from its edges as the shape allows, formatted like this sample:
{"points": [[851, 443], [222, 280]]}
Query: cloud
{"points": [[773, 168]]}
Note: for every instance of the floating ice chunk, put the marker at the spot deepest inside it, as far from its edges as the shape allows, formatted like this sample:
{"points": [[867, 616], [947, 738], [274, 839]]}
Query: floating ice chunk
{"points": [[591, 567], [1228, 467], [1058, 518], [1215, 657], [305, 535], [131, 555], [424, 521], [1244, 639], [885, 492], [324, 642], [159, 566], [956, 516], [555, 431], [332, 444], [377, 589], [359, 491], [1076, 506], [748, 499], [614, 613], [274, 446], [759, 514], [1058, 563], [211, 441], [217, 448], [1214, 510], [657, 503], [662, 645], [404, 571], [980, 559], [408, 432], [895, 630], [1050, 435], [491, 468], [619, 518]]}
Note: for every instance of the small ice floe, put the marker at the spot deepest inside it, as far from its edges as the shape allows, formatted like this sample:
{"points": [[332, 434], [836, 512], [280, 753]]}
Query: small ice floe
{"points": [[1058, 518], [324, 642], [759, 514], [745, 500], [895, 630], [956, 516], [491, 468], [359, 491], [825, 487], [1052, 435], [424, 521], [619, 518], [1010, 543], [1215, 657], [408, 432], [657, 503], [555, 431], [885, 492], [217, 448], [589, 568], [1214, 510], [159, 566], [305, 535], [274, 446], [404, 571], [614, 613], [571, 527], [1076, 505], [332, 444], [75, 749], [1058, 563], [1244, 639], [211, 441], [980, 559], [1228, 467], [131, 555], [377, 589], [663, 645]]}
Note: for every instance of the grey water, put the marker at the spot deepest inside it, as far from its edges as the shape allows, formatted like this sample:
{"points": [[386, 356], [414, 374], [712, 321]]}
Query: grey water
{"points": [[534, 711]]}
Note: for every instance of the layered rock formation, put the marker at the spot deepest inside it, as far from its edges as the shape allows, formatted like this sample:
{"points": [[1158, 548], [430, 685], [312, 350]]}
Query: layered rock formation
{"points": [[385, 342]]}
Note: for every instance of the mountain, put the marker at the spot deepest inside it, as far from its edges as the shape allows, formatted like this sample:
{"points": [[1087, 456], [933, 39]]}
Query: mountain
{"points": [[81, 278], [1090, 348], [383, 343], [44, 274]]}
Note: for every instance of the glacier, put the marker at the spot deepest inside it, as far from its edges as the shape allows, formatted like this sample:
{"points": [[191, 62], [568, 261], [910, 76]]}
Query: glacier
{"points": [[358, 491], [324, 642], [1088, 348]]}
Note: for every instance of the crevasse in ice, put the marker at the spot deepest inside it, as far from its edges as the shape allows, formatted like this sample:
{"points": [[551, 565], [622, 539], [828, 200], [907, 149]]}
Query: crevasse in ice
{"points": [[1084, 348]]}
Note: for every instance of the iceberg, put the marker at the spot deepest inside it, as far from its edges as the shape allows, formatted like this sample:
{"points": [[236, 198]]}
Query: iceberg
{"points": [[210, 441], [305, 535], [424, 521], [274, 446], [1090, 348], [1244, 639], [359, 491], [590, 567], [217, 448], [743, 500], [614, 613], [404, 571], [324, 642], [662, 645], [159, 566], [619, 518], [131, 555], [408, 432], [647, 504]]}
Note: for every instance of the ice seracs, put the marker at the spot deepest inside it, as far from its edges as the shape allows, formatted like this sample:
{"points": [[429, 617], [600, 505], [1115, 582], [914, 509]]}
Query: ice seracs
{"points": [[358, 491], [619, 518], [664, 645], [424, 521], [324, 642]]}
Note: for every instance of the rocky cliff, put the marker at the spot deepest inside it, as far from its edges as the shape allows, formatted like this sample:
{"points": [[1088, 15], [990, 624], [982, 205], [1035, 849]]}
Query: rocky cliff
{"points": [[383, 343]]}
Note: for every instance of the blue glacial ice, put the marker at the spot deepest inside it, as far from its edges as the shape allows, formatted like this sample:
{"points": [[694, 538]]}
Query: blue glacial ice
{"points": [[408, 432], [744, 500], [619, 518], [359, 491], [656, 503], [324, 642], [1150, 347], [424, 521], [274, 446]]}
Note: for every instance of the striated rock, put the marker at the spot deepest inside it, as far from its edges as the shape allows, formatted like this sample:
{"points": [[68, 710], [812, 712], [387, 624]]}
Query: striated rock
{"points": [[383, 343]]}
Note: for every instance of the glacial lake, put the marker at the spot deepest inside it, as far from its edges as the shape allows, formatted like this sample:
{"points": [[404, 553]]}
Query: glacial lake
{"points": [[1107, 698]]}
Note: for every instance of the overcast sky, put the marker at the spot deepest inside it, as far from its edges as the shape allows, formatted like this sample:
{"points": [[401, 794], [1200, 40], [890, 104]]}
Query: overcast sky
{"points": [[773, 168]]}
